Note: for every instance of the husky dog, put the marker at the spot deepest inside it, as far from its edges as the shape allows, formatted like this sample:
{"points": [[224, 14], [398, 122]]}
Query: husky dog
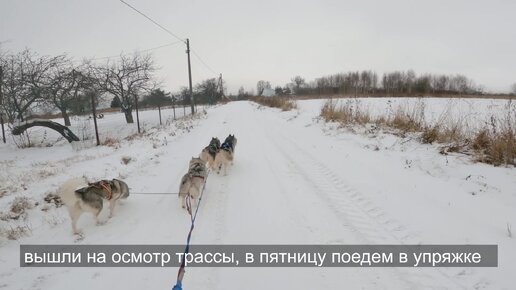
{"points": [[208, 153], [193, 181], [225, 154], [79, 196]]}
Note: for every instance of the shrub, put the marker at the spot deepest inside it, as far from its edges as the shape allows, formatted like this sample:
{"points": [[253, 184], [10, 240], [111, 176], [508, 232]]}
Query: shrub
{"points": [[351, 112], [430, 135], [482, 141], [283, 103]]}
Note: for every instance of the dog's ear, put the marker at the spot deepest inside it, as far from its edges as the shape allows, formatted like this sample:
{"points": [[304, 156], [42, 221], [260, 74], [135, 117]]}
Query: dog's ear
{"points": [[116, 183]]}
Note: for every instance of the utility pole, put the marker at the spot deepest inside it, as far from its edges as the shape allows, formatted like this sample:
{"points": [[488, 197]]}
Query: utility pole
{"points": [[159, 110], [192, 103], [137, 115], [1, 100], [221, 86], [3, 130], [94, 111]]}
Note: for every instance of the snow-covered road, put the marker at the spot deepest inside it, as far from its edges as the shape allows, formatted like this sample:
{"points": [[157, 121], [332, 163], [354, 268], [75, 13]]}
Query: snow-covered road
{"points": [[294, 181]]}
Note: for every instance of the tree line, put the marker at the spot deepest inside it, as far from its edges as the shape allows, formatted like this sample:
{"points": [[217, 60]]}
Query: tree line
{"points": [[368, 82]]}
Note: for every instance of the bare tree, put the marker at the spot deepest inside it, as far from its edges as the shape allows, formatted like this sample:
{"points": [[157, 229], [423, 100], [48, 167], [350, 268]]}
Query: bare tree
{"points": [[298, 82], [128, 77], [13, 86], [64, 85], [24, 82], [513, 89], [262, 85]]}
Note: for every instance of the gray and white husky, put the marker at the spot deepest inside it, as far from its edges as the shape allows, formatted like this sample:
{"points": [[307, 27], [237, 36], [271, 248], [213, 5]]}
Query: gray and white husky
{"points": [[79, 196], [209, 152], [193, 181], [225, 154]]}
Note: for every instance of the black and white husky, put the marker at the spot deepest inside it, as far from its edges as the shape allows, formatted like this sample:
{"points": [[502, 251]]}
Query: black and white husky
{"points": [[193, 181], [209, 152], [79, 196], [225, 154]]}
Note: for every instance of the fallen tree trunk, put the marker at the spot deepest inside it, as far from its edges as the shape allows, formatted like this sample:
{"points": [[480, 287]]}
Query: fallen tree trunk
{"points": [[67, 133]]}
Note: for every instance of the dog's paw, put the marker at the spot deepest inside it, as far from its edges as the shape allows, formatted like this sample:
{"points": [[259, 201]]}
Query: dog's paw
{"points": [[79, 236], [101, 223]]}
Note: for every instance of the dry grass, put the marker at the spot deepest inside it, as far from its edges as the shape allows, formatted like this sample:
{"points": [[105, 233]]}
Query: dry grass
{"points": [[134, 136], [111, 142], [406, 120], [283, 103], [495, 145], [16, 232], [495, 148], [430, 135], [53, 198], [351, 112], [126, 160], [20, 205]]}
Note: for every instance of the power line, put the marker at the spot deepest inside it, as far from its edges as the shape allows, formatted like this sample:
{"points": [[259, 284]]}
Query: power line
{"points": [[151, 20], [137, 51], [204, 63], [143, 50], [174, 35]]}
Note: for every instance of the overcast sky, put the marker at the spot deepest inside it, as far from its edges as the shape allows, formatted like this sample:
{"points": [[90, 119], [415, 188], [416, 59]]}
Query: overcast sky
{"points": [[275, 40]]}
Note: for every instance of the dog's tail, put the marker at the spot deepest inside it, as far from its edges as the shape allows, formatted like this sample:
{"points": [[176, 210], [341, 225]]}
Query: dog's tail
{"points": [[67, 190]]}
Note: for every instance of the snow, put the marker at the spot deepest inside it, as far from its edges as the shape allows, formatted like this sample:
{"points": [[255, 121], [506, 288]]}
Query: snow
{"points": [[296, 180]]}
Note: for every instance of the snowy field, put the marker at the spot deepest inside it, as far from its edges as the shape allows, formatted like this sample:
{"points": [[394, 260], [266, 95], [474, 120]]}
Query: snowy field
{"points": [[296, 180], [471, 114]]}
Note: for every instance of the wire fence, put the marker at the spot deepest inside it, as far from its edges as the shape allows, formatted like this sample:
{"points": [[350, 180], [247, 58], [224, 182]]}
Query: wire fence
{"points": [[112, 126]]}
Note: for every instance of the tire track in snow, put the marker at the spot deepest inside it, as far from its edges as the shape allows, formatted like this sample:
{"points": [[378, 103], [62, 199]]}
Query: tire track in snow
{"points": [[359, 224], [367, 219]]}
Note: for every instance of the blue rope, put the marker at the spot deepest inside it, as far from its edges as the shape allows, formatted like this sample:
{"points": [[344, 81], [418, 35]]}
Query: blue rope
{"points": [[181, 271]]}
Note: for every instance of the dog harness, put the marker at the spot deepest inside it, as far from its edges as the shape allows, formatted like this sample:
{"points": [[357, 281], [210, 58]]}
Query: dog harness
{"points": [[213, 147], [103, 184], [197, 176], [196, 172], [226, 146]]}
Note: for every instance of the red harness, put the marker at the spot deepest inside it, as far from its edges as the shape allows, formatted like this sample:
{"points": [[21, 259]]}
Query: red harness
{"points": [[104, 185]]}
